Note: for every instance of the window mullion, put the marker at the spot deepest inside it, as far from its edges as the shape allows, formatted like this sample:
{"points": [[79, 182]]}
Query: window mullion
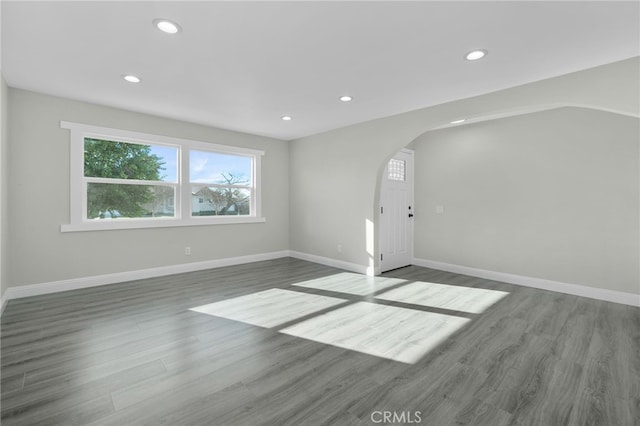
{"points": [[185, 185], [129, 181], [220, 185], [85, 202]]}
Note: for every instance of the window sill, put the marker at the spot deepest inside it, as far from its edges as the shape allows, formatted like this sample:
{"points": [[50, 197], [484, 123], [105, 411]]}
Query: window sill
{"points": [[111, 224]]}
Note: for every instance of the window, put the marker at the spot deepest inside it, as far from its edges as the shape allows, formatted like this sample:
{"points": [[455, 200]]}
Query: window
{"points": [[397, 170], [122, 179]]}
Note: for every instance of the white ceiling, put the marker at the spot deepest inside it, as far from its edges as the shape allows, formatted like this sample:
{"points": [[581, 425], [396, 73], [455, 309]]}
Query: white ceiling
{"points": [[242, 65]]}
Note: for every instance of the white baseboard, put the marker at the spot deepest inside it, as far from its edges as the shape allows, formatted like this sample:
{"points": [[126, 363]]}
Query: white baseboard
{"points": [[78, 283], [119, 277], [574, 289], [3, 302], [348, 266]]}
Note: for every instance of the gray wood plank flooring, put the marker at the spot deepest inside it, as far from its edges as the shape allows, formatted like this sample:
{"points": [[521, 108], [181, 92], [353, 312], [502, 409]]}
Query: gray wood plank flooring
{"points": [[224, 347]]}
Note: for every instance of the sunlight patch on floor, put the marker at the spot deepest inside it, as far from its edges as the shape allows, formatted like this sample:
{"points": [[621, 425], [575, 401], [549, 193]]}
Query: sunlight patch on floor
{"points": [[269, 308], [400, 334], [397, 333], [351, 283], [455, 298]]}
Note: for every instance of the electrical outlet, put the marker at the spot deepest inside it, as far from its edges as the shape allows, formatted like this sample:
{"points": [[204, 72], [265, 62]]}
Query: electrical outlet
{"points": [[187, 251], [339, 248]]}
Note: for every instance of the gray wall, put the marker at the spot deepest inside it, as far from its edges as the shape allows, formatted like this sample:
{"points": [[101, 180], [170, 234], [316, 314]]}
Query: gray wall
{"points": [[39, 198], [319, 191], [551, 195], [335, 175], [4, 141]]}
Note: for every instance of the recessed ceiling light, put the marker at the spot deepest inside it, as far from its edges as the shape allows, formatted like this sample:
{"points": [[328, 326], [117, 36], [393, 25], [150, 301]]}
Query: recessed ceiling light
{"points": [[131, 78], [458, 121], [286, 118], [346, 98], [474, 55], [166, 26]]}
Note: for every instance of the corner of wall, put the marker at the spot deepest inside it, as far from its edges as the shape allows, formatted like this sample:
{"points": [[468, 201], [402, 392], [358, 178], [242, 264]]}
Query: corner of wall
{"points": [[4, 141]]}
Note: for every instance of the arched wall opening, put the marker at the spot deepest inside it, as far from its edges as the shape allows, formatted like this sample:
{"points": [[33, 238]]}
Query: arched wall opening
{"points": [[548, 193], [356, 156]]}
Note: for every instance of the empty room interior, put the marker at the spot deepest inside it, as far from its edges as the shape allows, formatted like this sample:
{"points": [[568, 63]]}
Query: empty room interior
{"points": [[320, 213]]}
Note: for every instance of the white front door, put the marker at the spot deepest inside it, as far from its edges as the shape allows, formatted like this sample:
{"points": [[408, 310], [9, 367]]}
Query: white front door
{"points": [[396, 212]]}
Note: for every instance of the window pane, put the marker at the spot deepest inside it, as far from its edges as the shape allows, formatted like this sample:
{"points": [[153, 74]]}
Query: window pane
{"points": [[121, 160], [396, 170], [110, 201], [218, 201], [211, 167]]}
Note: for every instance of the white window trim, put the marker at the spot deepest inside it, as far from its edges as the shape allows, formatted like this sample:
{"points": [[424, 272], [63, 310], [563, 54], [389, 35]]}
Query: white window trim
{"points": [[77, 194]]}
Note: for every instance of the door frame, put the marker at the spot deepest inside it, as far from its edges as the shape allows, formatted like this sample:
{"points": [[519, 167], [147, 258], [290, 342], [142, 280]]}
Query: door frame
{"points": [[381, 222]]}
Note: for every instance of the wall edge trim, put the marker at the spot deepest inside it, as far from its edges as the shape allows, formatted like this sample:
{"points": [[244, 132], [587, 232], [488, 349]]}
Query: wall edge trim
{"points": [[3, 301], [119, 277], [539, 283]]}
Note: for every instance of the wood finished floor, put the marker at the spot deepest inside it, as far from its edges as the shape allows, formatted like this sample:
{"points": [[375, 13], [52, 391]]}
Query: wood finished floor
{"points": [[135, 354]]}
